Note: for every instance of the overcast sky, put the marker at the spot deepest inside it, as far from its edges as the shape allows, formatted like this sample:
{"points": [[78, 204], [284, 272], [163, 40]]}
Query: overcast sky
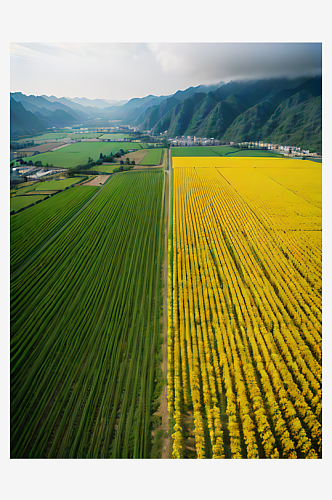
{"points": [[125, 70]]}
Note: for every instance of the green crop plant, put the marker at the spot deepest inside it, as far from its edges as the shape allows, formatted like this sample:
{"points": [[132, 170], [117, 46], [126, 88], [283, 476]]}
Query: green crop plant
{"points": [[19, 202], [85, 326], [153, 157], [29, 229]]}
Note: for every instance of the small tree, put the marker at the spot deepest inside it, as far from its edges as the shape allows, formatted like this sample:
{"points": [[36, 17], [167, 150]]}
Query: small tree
{"points": [[118, 169]]}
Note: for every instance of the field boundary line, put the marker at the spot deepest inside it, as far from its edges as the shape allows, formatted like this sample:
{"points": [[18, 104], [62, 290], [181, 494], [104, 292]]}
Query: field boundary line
{"points": [[163, 406], [289, 189], [52, 238]]}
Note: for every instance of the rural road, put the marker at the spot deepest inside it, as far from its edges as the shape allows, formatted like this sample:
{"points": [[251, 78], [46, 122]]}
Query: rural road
{"points": [[167, 444]]}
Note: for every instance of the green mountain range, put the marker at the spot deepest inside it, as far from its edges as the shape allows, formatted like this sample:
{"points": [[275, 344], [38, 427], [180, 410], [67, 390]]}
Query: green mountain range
{"points": [[23, 121], [277, 110]]}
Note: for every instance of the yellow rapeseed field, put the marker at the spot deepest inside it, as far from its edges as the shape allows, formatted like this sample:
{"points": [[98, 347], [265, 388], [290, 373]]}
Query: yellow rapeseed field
{"points": [[245, 308]]}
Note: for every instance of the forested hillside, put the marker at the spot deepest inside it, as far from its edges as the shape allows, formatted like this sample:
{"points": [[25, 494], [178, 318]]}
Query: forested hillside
{"points": [[277, 110]]}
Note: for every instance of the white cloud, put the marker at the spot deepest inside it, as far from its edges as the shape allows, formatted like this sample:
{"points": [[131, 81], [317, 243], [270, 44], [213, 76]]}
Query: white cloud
{"points": [[225, 61], [125, 70], [170, 59]]}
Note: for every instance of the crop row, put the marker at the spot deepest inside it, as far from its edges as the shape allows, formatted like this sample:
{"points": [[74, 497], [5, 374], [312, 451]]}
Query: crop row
{"points": [[30, 229], [17, 203], [153, 157], [244, 346], [85, 330]]}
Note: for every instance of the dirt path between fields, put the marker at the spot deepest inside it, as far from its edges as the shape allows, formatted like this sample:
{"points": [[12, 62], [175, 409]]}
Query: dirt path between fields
{"points": [[52, 238], [145, 167], [166, 441], [166, 450]]}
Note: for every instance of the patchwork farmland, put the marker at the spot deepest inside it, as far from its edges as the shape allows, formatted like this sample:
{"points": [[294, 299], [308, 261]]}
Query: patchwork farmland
{"points": [[56, 185], [31, 192], [79, 153], [241, 348], [19, 202], [43, 148], [193, 151], [196, 151], [58, 136], [114, 137], [30, 229]]}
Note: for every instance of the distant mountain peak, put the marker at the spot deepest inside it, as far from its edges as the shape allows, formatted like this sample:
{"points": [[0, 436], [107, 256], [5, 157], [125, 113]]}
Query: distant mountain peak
{"points": [[239, 110]]}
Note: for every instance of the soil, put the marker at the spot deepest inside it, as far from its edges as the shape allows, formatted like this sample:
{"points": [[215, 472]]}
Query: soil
{"points": [[43, 148], [162, 410], [97, 181], [136, 156]]}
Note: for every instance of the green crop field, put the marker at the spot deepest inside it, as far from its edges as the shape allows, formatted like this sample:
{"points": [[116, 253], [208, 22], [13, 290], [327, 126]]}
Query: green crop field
{"points": [[51, 135], [61, 135], [23, 188], [317, 160], [56, 185], [255, 153], [193, 151], [29, 229], [85, 330], [84, 135], [105, 169], [18, 202], [45, 137], [88, 147], [100, 147], [153, 157], [221, 151], [117, 136], [78, 153], [41, 191], [59, 158], [52, 185]]}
